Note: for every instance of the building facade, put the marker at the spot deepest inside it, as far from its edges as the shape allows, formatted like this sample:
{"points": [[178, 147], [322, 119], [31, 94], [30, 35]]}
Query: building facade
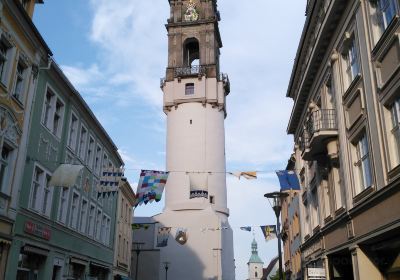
{"points": [[22, 52], [255, 264], [291, 233], [345, 121], [64, 232], [123, 234], [194, 101]]}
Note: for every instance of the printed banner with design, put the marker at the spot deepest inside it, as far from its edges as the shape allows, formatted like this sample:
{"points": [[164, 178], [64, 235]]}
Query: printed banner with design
{"points": [[151, 186], [269, 232], [109, 181], [162, 236], [288, 180]]}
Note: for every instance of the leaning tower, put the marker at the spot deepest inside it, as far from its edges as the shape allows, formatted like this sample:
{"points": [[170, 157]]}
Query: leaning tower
{"points": [[195, 104]]}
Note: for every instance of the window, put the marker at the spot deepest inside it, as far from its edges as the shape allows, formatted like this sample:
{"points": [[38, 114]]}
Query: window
{"points": [[19, 82], [25, 3], [92, 214], [58, 118], [386, 10], [73, 131], [94, 188], [122, 207], [84, 215], [90, 152], [41, 192], [82, 142], [4, 59], [98, 224], [74, 210], [6, 160], [108, 229], [314, 209], [189, 89], [351, 60], [105, 161], [63, 205], [97, 160], [363, 178], [394, 137], [53, 113]]}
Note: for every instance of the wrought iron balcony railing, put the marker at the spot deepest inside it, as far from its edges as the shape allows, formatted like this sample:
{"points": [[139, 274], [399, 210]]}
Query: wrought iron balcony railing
{"points": [[321, 120], [190, 71]]}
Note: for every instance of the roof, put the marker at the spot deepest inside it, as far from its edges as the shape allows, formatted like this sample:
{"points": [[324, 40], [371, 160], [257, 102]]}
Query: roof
{"points": [[267, 271]]}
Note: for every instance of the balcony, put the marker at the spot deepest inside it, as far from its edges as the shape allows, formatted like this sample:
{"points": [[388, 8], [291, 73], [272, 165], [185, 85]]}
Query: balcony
{"points": [[196, 70], [320, 126]]}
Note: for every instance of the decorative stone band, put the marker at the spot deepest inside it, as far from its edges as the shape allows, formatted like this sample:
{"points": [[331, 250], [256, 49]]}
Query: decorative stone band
{"points": [[196, 194]]}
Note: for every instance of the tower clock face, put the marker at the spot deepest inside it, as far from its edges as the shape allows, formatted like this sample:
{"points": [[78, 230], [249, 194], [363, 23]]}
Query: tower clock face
{"points": [[191, 13]]}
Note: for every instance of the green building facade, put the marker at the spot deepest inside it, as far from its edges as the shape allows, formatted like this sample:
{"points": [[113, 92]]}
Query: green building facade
{"points": [[63, 233]]}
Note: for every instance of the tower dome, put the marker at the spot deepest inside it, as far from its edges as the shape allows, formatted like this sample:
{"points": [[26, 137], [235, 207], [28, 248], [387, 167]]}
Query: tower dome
{"points": [[255, 263]]}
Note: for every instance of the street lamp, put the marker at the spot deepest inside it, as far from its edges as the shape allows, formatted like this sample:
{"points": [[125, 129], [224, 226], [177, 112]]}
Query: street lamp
{"points": [[277, 198], [166, 266], [137, 247]]}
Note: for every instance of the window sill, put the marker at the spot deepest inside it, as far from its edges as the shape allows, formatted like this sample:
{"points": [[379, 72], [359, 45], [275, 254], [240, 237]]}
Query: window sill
{"points": [[390, 29], [363, 195], [394, 173], [3, 87], [354, 83]]}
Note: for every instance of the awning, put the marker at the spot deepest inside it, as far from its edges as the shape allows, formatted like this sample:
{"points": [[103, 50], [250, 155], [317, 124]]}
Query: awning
{"points": [[65, 175], [78, 261], [35, 250]]}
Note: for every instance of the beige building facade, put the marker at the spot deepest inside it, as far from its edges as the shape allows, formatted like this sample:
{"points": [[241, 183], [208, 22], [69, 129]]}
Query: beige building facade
{"points": [[22, 53], [346, 125], [123, 235]]}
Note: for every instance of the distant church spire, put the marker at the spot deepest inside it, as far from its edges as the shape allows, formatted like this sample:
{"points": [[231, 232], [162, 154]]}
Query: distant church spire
{"points": [[255, 263]]}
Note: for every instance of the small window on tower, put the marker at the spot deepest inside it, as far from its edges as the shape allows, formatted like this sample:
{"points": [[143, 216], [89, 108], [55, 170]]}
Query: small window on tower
{"points": [[212, 201], [189, 89]]}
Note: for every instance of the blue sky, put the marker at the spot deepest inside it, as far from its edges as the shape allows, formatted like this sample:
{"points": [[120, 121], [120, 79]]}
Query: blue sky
{"points": [[115, 52]]}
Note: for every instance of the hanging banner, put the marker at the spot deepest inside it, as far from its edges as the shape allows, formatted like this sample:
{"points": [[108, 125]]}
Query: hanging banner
{"points": [[246, 228], [162, 236], [269, 232], [288, 180], [198, 185], [151, 186]]}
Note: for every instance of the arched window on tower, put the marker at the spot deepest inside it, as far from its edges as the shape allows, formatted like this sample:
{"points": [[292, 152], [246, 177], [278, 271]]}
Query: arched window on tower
{"points": [[191, 52]]}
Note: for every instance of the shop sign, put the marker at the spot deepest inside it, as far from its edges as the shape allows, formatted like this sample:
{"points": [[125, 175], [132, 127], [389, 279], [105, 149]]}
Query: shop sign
{"points": [[37, 230], [316, 272]]}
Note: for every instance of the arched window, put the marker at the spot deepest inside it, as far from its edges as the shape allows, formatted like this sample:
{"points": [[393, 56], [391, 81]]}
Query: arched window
{"points": [[256, 274], [191, 52]]}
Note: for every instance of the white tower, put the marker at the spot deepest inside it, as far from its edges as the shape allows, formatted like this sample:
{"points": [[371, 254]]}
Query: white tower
{"points": [[255, 264], [194, 102]]}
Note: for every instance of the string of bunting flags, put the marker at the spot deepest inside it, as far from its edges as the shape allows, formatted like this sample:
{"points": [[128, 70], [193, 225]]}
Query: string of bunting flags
{"points": [[110, 181]]}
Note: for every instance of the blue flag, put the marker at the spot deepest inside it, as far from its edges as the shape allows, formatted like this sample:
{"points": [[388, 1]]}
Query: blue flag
{"points": [[245, 228], [288, 180]]}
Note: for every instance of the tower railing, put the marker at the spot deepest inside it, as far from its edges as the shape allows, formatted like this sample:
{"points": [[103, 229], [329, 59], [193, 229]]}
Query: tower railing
{"points": [[194, 70]]}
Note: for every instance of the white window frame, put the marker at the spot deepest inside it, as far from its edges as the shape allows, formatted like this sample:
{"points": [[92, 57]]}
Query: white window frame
{"points": [[84, 210], [6, 165], [63, 205], [20, 81], [73, 131], [49, 112], [108, 230], [82, 143], [98, 220], [394, 133], [104, 162], [7, 59], [98, 159], [90, 151], [362, 163], [41, 195], [351, 64], [74, 217], [92, 220]]}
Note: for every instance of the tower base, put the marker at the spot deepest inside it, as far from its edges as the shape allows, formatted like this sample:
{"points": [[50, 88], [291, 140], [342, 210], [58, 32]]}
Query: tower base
{"points": [[208, 252]]}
